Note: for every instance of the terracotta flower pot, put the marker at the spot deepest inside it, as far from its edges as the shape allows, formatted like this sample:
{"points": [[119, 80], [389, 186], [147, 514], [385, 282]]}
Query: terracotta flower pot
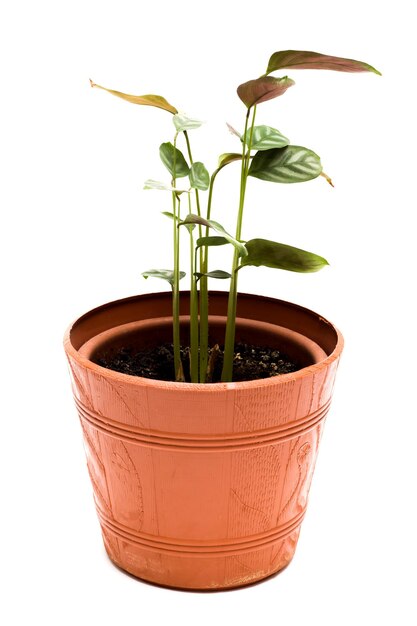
{"points": [[202, 486]]}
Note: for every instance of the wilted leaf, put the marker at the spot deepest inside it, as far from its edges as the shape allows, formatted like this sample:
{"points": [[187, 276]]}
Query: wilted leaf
{"points": [[211, 241], [169, 154], [232, 130], [147, 100], [302, 59], [265, 138], [280, 256], [182, 122], [214, 274], [199, 176], [196, 219], [228, 157], [167, 275], [293, 164], [263, 89]]}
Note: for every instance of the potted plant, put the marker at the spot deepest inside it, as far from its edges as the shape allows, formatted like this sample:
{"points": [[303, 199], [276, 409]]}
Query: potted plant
{"points": [[201, 468]]}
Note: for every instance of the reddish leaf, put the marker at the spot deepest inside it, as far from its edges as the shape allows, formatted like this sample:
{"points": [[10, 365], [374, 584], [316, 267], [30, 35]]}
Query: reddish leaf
{"points": [[263, 89], [305, 60]]}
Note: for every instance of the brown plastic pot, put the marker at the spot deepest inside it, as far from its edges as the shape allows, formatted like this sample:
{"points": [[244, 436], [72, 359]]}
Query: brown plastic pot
{"points": [[202, 486]]}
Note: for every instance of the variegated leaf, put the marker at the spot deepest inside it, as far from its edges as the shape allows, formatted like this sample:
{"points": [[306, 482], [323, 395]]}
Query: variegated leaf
{"points": [[265, 138], [293, 164]]}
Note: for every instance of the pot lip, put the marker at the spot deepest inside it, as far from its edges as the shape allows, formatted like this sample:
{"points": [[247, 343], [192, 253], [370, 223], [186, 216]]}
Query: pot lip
{"points": [[139, 381]]}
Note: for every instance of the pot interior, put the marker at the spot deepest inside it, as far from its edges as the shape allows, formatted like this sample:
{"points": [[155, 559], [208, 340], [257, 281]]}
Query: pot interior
{"points": [[148, 334], [144, 321]]}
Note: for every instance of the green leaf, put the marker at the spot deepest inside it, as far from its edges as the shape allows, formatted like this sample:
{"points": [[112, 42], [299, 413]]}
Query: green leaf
{"points": [[168, 155], [196, 219], [147, 100], [211, 241], [293, 164], [280, 256], [263, 89], [199, 176], [305, 60], [265, 138], [182, 122], [214, 274], [168, 214], [156, 184], [167, 275], [228, 157]]}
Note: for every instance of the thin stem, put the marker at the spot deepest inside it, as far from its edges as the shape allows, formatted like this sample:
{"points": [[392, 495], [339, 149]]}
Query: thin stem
{"points": [[194, 322], [229, 343], [197, 197], [204, 325], [179, 376], [193, 316]]}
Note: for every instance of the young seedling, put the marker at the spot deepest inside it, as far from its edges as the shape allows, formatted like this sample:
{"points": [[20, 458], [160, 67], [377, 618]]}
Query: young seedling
{"points": [[265, 153]]}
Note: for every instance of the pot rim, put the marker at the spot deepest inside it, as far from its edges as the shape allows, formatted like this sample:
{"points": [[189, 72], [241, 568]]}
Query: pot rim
{"points": [[186, 387]]}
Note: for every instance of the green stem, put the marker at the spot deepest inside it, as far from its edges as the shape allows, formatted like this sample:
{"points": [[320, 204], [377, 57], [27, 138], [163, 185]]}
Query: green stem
{"points": [[197, 197], [194, 322], [204, 325], [229, 343], [176, 282], [193, 316]]}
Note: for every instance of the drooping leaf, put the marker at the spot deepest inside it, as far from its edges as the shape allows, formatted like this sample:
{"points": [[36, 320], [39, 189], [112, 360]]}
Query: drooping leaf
{"points": [[182, 122], [147, 100], [303, 59], [214, 274], [211, 241], [168, 214], [196, 219], [263, 89], [280, 256], [293, 164], [199, 176], [265, 138], [156, 184], [170, 155], [228, 157], [167, 275]]}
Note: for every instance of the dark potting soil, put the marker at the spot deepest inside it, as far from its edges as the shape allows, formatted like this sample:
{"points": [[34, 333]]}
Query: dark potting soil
{"points": [[250, 362]]}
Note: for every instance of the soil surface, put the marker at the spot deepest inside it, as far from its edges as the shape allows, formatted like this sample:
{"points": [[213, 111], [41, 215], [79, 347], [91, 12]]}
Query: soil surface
{"points": [[250, 362]]}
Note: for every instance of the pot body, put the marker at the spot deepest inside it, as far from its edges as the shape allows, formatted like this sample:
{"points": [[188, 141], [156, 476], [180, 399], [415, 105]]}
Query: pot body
{"points": [[202, 486]]}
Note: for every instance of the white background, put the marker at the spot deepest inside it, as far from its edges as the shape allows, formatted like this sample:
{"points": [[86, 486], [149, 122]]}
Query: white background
{"points": [[77, 229]]}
